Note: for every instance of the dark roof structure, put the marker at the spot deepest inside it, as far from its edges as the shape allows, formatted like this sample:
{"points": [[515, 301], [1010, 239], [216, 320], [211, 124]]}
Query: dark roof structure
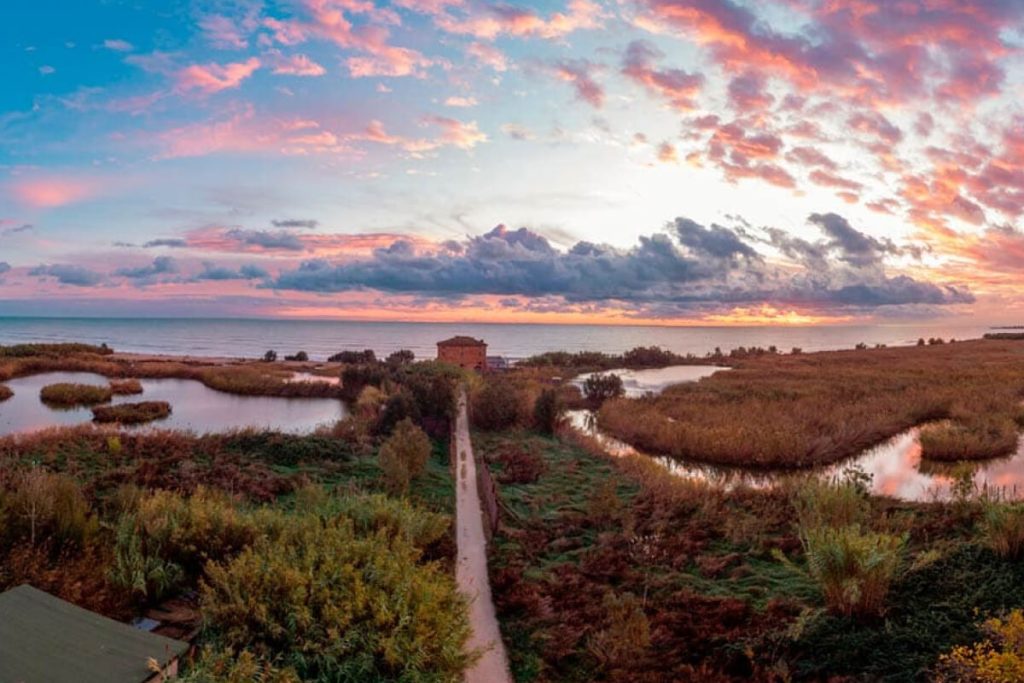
{"points": [[45, 639], [462, 341]]}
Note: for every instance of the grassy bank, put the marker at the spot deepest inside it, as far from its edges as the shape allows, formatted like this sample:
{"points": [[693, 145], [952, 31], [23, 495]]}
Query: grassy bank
{"points": [[614, 570], [809, 409], [132, 413]]}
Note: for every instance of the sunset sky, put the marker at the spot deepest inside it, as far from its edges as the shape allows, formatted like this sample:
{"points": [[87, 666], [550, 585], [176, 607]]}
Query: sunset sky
{"points": [[621, 161]]}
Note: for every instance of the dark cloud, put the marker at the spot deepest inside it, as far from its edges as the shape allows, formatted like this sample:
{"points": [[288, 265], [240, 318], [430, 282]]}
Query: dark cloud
{"points": [[307, 223], [716, 241], [171, 242], [67, 274], [4, 267], [214, 272], [161, 265], [25, 227], [690, 267], [266, 239]]}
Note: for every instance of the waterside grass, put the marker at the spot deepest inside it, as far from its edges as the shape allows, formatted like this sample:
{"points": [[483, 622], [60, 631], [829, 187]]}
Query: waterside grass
{"points": [[132, 413], [791, 411], [68, 395]]}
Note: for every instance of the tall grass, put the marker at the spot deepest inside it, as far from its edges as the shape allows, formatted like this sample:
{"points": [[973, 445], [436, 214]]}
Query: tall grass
{"points": [[979, 438], [68, 395], [132, 413], [1002, 528], [809, 409], [126, 387]]}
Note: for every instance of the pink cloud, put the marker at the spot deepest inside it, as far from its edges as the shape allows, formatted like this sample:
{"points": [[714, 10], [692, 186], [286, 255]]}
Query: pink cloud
{"points": [[676, 86], [488, 55], [52, 191], [298, 65], [494, 20], [454, 133], [212, 78], [580, 74]]}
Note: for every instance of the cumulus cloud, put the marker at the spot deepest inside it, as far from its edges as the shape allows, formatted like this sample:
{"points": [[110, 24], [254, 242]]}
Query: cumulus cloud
{"points": [[686, 267], [68, 274], [161, 265], [214, 272]]}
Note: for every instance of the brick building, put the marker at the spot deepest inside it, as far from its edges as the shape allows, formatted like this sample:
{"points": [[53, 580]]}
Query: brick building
{"points": [[465, 352]]}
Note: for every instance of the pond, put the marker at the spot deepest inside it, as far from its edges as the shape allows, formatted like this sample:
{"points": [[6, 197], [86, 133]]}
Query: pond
{"points": [[640, 382], [195, 407], [895, 466]]}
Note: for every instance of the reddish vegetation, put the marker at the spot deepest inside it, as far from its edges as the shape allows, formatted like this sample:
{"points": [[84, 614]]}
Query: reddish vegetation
{"points": [[132, 413]]}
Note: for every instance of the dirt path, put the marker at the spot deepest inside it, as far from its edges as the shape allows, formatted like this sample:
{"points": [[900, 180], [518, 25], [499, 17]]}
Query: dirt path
{"points": [[471, 568]]}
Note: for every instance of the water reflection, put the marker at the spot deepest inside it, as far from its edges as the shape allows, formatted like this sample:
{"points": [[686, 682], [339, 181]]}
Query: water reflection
{"points": [[195, 407], [655, 380], [895, 468]]}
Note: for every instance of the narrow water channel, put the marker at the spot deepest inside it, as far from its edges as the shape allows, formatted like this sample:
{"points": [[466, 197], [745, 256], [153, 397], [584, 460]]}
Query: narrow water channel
{"points": [[895, 467]]}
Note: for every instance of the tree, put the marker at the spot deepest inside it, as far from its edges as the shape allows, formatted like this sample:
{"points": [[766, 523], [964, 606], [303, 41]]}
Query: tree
{"points": [[270, 356], [402, 357], [599, 388], [496, 406], [547, 411], [364, 356], [403, 456], [400, 406], [300, 356]]}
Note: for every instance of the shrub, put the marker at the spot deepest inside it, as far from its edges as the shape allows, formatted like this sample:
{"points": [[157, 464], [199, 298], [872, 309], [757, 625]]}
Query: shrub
{"points": [[270, 356], [132, 413], [399, 406], [999, 658], [301, 356], [627, 634], [5, 392], [42, 505], [853, 568], [355, 377], [375, 514], [138, 566], [66, 394], [824, 503], [520, 465], [337, 605], [225, 666], [401, 357], [1002, 528], [369, 402], [404, 456], [599, 388], [547, 412], [125, 387], [496, 407], [364, 357], [977, 438]]}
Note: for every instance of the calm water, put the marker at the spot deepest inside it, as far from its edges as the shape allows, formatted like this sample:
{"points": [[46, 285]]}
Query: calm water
{"points": [[251, 338], [195, 407], [895, 466]]}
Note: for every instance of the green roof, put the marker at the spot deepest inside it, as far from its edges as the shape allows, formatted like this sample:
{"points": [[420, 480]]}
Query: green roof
{"points": [[44, 639]]}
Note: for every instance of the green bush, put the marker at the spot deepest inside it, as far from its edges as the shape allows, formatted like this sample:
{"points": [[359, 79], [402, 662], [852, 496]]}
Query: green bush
{"points": [[404, 456], [66, 394], [225, 666], [139, 566], [830, 503], [854, 569], [1002, 528], [599, 388], [547, 412], [339, 606], [497, 406]]}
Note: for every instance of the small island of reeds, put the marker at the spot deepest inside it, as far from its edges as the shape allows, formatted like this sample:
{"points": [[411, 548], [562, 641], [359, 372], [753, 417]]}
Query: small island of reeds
{"points": [[132, 413], [70, 395]]}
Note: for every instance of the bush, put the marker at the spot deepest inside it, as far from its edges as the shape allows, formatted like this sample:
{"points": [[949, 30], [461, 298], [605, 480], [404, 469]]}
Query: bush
{"points": [[301, 356], [547, 412], [139, 567], [132, 413], [41, 505], [69, 395], [496, 407], [822, 503], [999, 658], [125, 387], [520, 466], [853, 568], [270, 356], [404, 456], [399, 406], [627, 635], [364, 357], [225, 666], [599, 388], [375, 514], [1002, 528], [401, 357], [340, 606], [5, 393], [354, 378]]}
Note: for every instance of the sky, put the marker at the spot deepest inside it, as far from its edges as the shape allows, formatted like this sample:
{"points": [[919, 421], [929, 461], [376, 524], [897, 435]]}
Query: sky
{"points": [[678, 162]]}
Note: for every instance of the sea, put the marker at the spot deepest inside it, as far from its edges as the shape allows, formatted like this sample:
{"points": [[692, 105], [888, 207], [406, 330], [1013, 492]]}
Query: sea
{"points": [[238, 338]]}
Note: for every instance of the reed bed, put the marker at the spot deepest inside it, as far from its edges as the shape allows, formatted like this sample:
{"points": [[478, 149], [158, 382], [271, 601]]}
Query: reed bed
{"points": [[5, 392], [126, 387], [132, 413], [792, 411], [70, 395]]}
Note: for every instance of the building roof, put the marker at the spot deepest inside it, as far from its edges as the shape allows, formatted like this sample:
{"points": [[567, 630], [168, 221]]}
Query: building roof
{"points": [[44, 638], [462, 341]]}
